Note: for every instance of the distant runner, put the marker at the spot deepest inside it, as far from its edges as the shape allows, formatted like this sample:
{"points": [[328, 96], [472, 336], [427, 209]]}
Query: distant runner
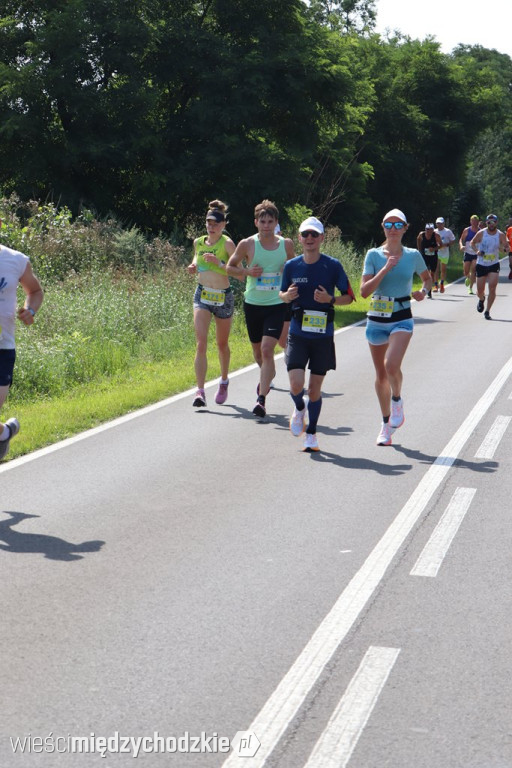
{"points": [[488, 243], [469, 252]]}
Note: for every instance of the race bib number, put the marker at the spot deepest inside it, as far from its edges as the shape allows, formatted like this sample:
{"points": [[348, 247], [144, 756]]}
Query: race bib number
{"points": [[212, 298], [430, 251], [489, 257], [268, 281], [381, 306], [314, 322]]}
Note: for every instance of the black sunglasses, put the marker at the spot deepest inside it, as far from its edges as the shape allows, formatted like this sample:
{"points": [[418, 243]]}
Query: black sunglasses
{"points": [[310, 233]]}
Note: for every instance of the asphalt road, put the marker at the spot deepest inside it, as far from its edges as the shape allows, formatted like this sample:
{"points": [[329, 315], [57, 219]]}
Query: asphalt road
{"points": [[194, 572]]}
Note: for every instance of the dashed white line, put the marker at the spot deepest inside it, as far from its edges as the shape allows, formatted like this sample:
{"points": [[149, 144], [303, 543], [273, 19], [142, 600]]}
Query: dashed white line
{"points": [[493, 437], [435, 550], [335, 746], [282, 706]]}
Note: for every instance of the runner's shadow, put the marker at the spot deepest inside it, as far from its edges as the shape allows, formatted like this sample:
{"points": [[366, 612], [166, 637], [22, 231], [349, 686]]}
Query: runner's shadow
{"points": [[323, 457], [424, 458], [51, 547]]}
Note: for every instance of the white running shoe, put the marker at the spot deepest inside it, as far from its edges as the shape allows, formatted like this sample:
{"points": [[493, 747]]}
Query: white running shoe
{"points": [[397, 417], [13, 426], [297, 422], [384, 437], [310, 443]]}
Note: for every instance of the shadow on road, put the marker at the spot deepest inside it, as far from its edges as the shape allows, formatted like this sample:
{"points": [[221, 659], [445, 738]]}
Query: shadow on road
{"points": [[51, 547], [323, 457], [474, 466]]}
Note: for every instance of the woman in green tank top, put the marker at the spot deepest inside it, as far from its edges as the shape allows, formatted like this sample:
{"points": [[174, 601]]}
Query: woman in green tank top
{"points": [[212, 298]]}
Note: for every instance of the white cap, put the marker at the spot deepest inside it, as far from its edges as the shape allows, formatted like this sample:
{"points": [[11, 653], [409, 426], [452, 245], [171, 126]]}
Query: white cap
{"points": [[439, 220], [429, 226], [312, 223], [397, 214], [277, 230]]}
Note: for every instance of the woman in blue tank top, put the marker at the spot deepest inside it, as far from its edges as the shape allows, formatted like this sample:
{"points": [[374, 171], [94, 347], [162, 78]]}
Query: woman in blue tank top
{"points": [[387, 276]]}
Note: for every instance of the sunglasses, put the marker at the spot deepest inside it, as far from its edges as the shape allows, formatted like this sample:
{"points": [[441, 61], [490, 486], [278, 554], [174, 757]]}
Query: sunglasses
{"points": [[491, 218], [395, 224], [310, 233]]}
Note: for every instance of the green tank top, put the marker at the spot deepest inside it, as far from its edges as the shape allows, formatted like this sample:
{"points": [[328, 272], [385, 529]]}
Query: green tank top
{"points": [[264, 290], [219, 249]]}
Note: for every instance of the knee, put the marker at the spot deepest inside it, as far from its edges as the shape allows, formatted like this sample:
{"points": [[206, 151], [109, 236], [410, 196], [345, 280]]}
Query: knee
{"points": [[202, 346]]}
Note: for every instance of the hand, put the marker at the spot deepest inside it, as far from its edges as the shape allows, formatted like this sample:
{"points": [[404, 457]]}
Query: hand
{"points": [[392, 261], [255, 271], [25, 316], [418, 295], [192, 269], [292, 293], [322, 296], [210, 258]]}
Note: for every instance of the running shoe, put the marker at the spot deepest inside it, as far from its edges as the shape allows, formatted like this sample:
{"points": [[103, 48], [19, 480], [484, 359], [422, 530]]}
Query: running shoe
{"points": [[429, 294], [466, 282], [259, 409], [222, 393], [297, 421], [384, 436], [470, 290], [441, 287], [13, 426], [435, 288], [397, 414], [487, 315], [200, 399], [310, 443], [480, 305]]}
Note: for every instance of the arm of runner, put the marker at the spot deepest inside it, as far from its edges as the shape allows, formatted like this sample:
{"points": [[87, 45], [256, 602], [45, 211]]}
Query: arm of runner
{"points": [[476, 241], [426, 287], [33, 296], [243, 252]]}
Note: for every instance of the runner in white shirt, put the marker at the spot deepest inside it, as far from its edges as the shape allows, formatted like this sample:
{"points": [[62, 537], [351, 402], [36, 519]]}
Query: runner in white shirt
{"points": [[15, 269], [488, 243], [443, 254]]}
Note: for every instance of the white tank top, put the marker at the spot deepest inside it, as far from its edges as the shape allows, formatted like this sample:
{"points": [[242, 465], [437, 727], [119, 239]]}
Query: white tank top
{"points": [[490, 246]]}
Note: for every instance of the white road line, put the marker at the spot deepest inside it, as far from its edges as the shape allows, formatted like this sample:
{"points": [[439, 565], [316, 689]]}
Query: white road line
{"points": [[335, 746], [493, 437], [434, 552], [282, 706]]}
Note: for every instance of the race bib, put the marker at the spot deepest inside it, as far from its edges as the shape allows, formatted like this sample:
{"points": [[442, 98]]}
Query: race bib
{"points": [[268, 281], [381, 306], [314, 322], [430, 251], [489, 257], [213, 298]]}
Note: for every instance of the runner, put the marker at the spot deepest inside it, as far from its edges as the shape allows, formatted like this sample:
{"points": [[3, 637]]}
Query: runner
{"points": [[309, 283], [388, 274], [212, 298], [15, 268], [509, 238], [487, 244], [469, 253], [264, 254], [443, 255], [428, 243]]}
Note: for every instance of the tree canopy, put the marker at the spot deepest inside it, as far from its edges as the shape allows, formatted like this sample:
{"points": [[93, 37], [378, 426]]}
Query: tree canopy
{"points": [[147, 110]]}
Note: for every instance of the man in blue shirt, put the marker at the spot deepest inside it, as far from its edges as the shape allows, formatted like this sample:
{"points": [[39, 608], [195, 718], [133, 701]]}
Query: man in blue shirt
{"points": [[308, 284]]}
